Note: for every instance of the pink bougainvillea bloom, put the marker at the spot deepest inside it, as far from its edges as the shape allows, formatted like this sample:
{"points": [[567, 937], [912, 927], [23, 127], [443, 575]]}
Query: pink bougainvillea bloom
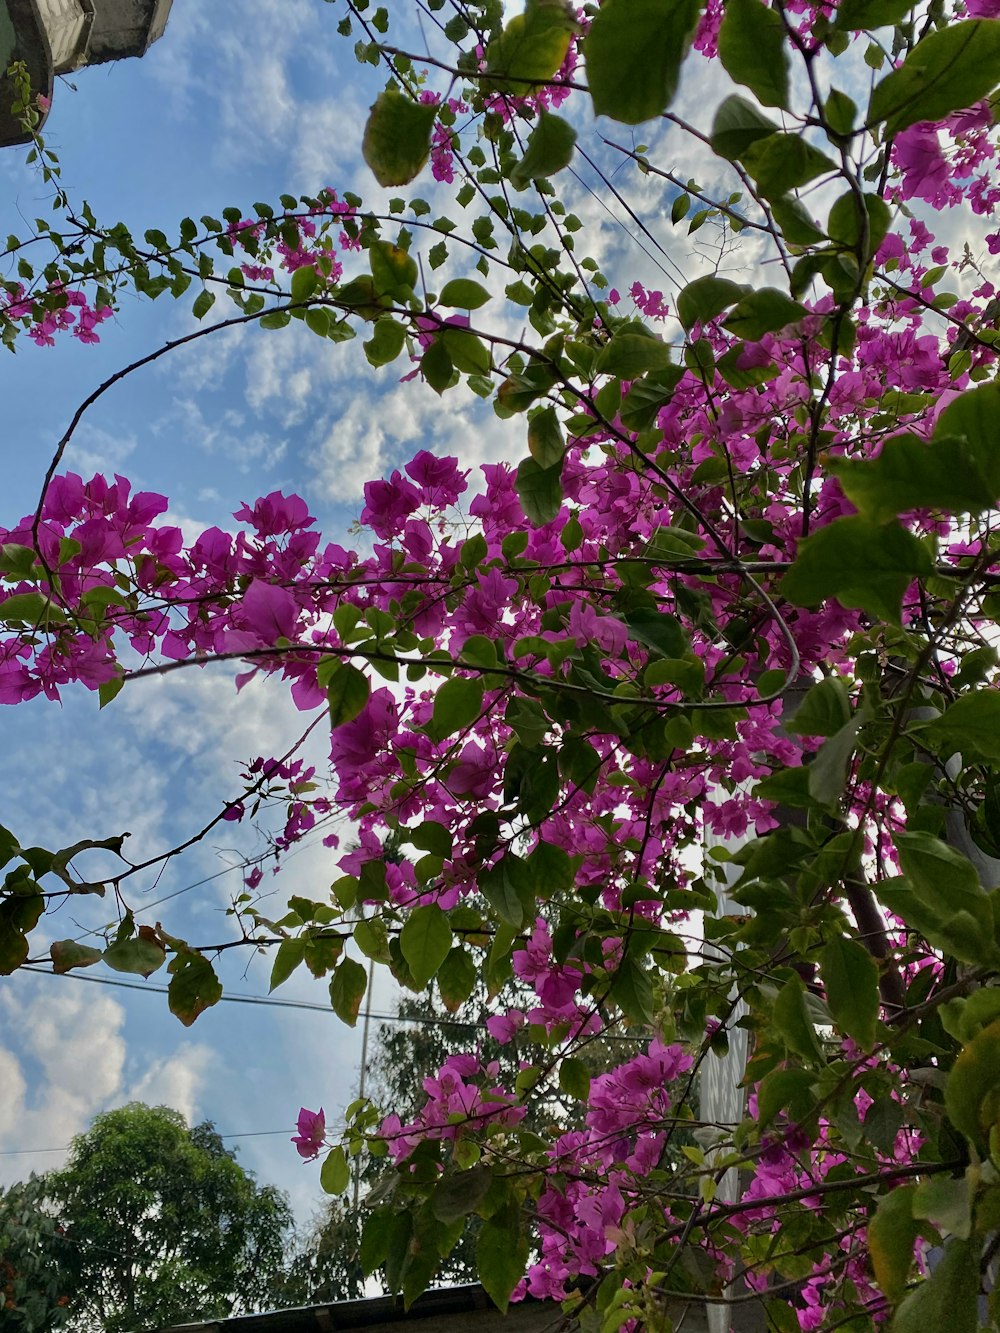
{"points": [[275, 514], [439, 478], [917, 153], [312, 1133], [388, 504], [269, 612]]}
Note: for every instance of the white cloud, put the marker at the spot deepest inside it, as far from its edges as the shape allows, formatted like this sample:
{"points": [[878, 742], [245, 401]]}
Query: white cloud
{"points": [[13, 1088], [94, 449], [75, 1042], [177, 1080]]}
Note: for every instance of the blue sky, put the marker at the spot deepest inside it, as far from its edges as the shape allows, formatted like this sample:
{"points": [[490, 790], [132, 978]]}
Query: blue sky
{"points": [[212, 116]]}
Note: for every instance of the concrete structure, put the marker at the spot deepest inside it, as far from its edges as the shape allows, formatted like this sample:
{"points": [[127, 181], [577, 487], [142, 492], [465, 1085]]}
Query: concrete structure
{"points": [[58, 36]]}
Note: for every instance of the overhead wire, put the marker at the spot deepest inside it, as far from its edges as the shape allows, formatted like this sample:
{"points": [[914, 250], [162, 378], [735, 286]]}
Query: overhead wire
{"points": [[243, 1134], [266, 1001]]}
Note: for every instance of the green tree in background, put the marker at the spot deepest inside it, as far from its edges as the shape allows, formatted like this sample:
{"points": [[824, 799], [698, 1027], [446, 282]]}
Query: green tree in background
{"points": [[163, 1225], [34, 1261]]}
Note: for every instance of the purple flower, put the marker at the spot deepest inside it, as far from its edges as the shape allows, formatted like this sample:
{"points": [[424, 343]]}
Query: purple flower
{"points": [[312, 1133]]}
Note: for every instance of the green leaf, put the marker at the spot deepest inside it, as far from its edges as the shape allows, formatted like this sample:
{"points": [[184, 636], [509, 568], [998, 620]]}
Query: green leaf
{"points": [[436, 366], [17, 562], [628, 355], [319, 321], [967, 1015], [707, 297], [862, 564], [528, 721], [941, 897], [574, 1078], [193, 987], [942, 877], [203, 303], [545, 438], [752, 49], [347, 990], [830, 765], [642, 403], [457, 704], [347, 689], [376, 1238], [30, 608], [551, 870], [286, 959], [910, 473], [109, 689], [947, 1203], [972, 1093], [632, 990], [892, 1234], [304, 282], [456, 979], [791, 1020], [501, 1255], [463, 294], [850, 978], [766, 310], [824, 710], [335, 1173], [19, 914], [549, 149], [846, 222], [460, 1193], [67, 954], [468, 353], [948, 1298], [796, 223], [658, 630], [946, 71], [869, 14], [959, 933], [372, 939], [141, 956], [634, 53], [786, 1089], [974, 416], [737, 125], [971, 726], [386, 342], [509, 890], [540, 491], [425, 939], [430, 836], [784, 162], [781, 1317], [531, 46], [394, 270], [397, 138], [840, 112]]}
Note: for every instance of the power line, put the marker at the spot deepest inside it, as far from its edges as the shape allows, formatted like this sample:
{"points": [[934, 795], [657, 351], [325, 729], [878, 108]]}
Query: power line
{"points": [[264, 1000], [245, 1134]]}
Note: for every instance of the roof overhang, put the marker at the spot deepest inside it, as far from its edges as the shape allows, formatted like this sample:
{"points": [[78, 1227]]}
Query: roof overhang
{"points": [[448, 1310], [22, 37]]}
